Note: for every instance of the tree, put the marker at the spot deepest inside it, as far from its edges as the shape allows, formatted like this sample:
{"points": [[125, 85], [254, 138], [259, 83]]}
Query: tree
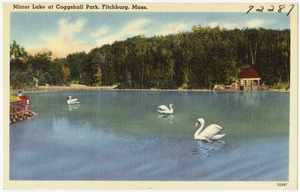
{"points": [[97, 65], [63, 70], [18, 65], [78, 63], [40, 65]]}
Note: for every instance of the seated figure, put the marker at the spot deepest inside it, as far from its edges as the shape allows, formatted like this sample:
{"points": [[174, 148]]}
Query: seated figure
{"points": [[22, 97]]}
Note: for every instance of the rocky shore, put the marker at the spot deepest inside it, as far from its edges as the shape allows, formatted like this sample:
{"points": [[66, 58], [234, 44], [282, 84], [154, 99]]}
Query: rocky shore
{"points": [[19, 111]]}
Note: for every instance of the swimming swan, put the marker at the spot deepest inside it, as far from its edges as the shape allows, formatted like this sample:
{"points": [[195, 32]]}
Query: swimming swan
{"points": [[165, 110], [72, 101], [210, 133]]}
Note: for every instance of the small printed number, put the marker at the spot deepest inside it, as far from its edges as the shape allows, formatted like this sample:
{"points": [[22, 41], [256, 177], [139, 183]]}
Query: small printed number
{"points": [[281, 184]]}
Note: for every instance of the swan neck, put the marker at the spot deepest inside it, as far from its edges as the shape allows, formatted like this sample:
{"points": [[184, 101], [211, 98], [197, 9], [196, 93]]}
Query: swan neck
{"points": [[202, 122]]}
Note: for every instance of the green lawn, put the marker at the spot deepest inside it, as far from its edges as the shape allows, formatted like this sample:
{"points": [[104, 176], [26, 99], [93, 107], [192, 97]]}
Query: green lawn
{"points": [[13, 97]]}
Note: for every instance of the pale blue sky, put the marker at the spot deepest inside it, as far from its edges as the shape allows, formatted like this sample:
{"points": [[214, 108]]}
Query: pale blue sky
{"points": [[69, 32]]}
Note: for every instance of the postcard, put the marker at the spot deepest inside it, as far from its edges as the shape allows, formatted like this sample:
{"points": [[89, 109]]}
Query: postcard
{"points": [[163, 96]]}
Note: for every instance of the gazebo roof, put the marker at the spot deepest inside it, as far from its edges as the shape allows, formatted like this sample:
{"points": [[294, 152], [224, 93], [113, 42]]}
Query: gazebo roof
{"points": [[248, 73]]}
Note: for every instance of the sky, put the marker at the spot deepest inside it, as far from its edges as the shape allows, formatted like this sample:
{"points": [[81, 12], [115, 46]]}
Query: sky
{"points": [[63, 33]]}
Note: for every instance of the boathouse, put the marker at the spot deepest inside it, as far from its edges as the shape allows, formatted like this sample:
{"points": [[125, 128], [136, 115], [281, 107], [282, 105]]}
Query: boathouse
{"points": [[249, 79]]}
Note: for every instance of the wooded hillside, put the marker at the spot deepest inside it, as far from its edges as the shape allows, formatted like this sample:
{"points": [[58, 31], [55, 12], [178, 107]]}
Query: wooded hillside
{"points": [[200, 59]]}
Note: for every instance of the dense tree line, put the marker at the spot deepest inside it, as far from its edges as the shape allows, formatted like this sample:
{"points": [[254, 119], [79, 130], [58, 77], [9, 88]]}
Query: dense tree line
{"points": [[200, 59]]}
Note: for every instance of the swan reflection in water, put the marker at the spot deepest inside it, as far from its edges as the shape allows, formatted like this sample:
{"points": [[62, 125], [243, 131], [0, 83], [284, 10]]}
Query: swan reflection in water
{"points": [[167, 117], [205, 149], [73, 107]]}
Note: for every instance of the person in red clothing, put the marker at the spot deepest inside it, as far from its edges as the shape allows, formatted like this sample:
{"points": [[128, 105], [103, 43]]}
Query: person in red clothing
{"points": [[22, 97]]}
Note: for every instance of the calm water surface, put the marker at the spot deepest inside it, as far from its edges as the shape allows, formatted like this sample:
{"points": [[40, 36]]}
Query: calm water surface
{"points": [[119, 135]]}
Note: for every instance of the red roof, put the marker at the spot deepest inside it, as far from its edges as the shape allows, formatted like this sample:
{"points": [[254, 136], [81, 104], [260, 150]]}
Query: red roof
{"points": [[249, 73]]}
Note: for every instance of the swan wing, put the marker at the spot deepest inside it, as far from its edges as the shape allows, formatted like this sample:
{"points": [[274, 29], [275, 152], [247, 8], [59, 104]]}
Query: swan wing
{"points": [[163, 108], [74, 100], [216, 137], [162, 112], [211, 131], [166, 111]]}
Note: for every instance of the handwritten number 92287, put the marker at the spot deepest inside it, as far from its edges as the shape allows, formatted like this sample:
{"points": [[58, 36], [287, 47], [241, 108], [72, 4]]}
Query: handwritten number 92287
{"points": [[272, 8]]}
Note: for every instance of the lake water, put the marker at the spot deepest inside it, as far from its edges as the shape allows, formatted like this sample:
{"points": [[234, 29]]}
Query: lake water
{"points": [[119, 135]]}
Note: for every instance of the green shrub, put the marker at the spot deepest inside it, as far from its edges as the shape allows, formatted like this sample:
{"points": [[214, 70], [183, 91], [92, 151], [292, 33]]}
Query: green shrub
{"points": [[280, 85]]}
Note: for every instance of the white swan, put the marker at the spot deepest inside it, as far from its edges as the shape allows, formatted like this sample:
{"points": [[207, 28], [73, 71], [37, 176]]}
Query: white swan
{"points": [[165, 110], [210, 133], [71, 101]]}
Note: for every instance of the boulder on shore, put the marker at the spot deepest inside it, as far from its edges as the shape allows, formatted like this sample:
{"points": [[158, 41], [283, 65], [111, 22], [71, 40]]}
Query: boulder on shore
{"points": [[19, 111]]}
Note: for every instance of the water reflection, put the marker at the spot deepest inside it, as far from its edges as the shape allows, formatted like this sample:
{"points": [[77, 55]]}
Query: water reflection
{"points": [[168, 118], [204, 149], [73, 107]]}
